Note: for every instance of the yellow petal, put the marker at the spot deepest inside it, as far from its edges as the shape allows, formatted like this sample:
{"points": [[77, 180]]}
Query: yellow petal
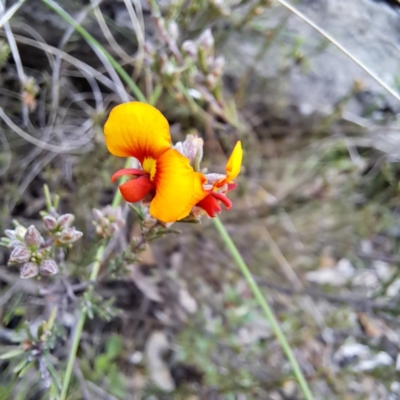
{"points": [[198, 191], [177, 187], [234, 163], [137, 130]]}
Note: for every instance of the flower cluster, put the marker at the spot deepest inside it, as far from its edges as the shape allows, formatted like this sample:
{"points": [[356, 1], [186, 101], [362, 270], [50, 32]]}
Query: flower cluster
{"points": [[170, 181], [61, 229], [193, 62], [108, 221], [201, 52], [35, 253]]}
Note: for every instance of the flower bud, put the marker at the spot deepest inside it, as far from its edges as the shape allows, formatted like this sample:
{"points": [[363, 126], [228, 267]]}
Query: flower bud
{"points": [[191, 148], [19, 255], [29, 270], [211, 81], [14, 243], [173, 31], [10, 233], [167, 68], [19, 232], [114, 227], [218, 66], [32, 237], [65, 220], [189, 48], [48, 268], [97, 214], [50, 223], [108, 210], [206, 40], [70, 235], [214, 177], [116, 214]]}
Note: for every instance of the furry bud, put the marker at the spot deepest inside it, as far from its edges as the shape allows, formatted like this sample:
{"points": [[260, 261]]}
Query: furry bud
{"points": [[48, 268], [50, 223], [65, 220], [19, 255], [29, 270], [32, 237], [70, 235]]}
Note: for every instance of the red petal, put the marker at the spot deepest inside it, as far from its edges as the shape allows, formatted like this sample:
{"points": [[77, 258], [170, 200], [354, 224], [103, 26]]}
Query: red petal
{"points": [[127, 171], [223, 199], [231, 186], [210, 205], [135, 189]]}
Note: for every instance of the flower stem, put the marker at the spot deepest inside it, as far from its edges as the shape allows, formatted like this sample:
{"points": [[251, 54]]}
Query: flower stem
{"points": [[47, 196], [269, 314]]}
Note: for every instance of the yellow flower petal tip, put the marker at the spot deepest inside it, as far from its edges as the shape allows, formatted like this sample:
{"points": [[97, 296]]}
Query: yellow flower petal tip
{"points": [[137, 130], [235, 162]]}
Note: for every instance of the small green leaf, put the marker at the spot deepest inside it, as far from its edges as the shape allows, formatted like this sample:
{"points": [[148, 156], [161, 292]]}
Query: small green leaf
{"points": [[102, 363], [20, 365], [113, 346], [26, 369], [11, 354], [56, 381]]}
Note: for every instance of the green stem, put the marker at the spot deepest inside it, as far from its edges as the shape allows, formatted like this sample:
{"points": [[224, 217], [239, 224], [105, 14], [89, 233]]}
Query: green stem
{"points": [[90, 39], [265, 307], [47, 196], [72, 353], [82, 316]]}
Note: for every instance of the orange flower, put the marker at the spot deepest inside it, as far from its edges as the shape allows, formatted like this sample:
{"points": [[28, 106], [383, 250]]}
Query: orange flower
{"points": [[167, 179], [219, 185]]}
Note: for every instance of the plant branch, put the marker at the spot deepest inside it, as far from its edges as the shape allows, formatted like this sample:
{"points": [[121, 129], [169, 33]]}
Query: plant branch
{"points": [[231, 246]]}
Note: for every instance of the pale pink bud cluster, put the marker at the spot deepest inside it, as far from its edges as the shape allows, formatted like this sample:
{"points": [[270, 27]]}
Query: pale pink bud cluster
{"points": [[108, 221], [27, 249], [33, 252], [193, 61], [201, 52], [24, 244], [60, 227]]}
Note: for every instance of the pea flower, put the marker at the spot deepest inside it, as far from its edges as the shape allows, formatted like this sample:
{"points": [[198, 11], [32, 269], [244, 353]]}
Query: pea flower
{"points": [[218, 185], [168, 181]]}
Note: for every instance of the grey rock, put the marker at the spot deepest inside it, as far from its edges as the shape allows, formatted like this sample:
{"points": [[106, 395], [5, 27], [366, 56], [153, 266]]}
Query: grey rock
{"points": [[369, 30]]}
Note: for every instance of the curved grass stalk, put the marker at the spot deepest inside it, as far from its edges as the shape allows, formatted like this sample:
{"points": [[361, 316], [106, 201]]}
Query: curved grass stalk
{"points": [[4, 18], [221, 229], [15, 53], [90, 39]]}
